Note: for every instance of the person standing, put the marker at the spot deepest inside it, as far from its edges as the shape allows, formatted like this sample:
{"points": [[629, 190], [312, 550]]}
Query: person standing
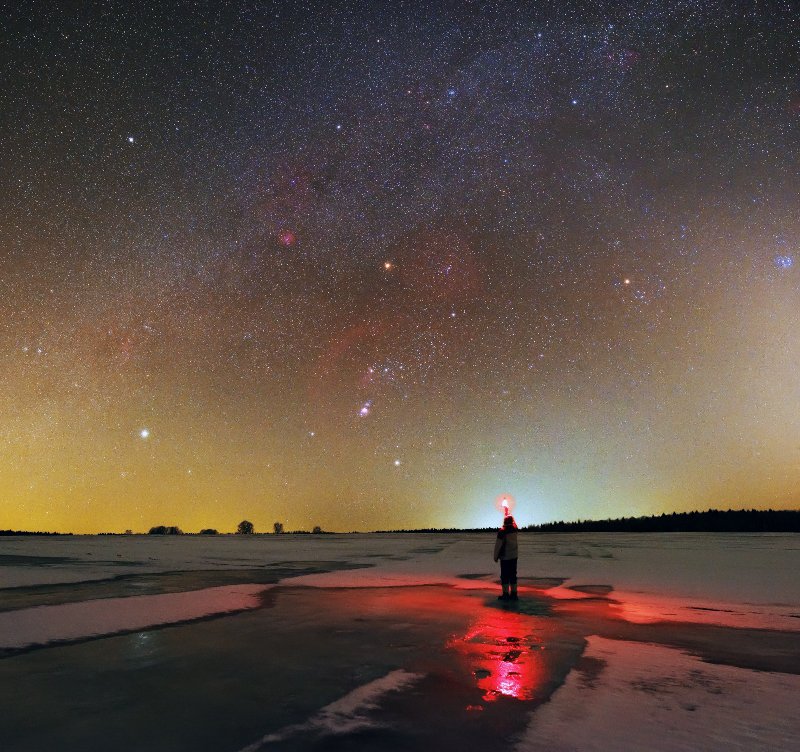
{"points": [[506, 551]]}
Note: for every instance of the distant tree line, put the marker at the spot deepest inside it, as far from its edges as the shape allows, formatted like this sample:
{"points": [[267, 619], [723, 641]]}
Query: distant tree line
{"points": [[710, 521], [245, 527], [29, 532]]}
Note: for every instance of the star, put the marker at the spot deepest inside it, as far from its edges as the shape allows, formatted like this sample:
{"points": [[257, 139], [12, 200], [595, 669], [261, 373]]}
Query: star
{"points": [[144, 433]]}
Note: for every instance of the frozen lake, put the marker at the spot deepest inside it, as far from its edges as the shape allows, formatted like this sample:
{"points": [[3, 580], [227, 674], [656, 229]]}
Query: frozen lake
{"points": [[398, 642]]}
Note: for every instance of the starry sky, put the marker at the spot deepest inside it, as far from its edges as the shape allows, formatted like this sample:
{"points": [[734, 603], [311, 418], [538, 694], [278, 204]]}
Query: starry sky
{"points": [[367, 265]]}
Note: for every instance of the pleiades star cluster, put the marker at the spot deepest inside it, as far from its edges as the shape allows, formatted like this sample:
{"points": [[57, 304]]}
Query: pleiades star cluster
{"points": [[367, 265]]}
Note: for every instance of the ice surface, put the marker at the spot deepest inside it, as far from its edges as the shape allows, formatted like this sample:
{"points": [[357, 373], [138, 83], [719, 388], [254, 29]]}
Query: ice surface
{"points": [[752, 568], [32, 560], [345, 715], [40, 625], [398, 641], [634, 696], [733, 580]]}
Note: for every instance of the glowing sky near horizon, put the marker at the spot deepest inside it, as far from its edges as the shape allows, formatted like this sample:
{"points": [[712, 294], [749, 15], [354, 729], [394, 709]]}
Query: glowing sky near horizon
{"points": [[369, 265]]}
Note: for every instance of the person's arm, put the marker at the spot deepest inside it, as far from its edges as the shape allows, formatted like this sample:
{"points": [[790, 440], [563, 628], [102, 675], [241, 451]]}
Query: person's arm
{"points": [[498, 545]]}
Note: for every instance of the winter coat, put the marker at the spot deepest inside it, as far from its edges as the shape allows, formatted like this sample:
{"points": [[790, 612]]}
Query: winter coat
{"points": [[510, 550]]}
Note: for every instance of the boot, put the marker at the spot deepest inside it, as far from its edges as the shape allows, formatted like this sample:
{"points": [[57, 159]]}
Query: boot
{"points": [[514, 596], [504, 596]]}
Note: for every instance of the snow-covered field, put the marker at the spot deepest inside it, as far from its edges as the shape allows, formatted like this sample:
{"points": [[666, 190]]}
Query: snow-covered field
{"points": [[292, 642]]}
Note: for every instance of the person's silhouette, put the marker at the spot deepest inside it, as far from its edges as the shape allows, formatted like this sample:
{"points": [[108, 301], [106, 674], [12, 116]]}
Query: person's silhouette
{"points": [[506, 552]]}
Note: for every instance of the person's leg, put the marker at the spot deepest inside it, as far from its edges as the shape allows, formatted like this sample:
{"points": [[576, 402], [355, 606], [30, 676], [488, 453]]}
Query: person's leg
{"points": [[512, 579], [504, 579]]}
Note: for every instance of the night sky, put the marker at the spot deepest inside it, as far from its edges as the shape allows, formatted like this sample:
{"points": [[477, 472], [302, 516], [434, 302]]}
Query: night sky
{"points": [[367, 265]]}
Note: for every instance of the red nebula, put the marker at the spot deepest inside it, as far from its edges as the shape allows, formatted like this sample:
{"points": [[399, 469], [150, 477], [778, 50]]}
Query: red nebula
{"points": [[287, 238], [625, 58], [429, 274]]}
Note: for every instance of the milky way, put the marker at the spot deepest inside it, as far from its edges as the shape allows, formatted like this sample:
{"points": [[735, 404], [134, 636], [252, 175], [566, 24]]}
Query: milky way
{"points": [[369, 265]]}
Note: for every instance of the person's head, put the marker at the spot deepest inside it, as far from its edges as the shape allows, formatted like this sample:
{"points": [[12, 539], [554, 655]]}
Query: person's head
{"points": [[508, 523]]}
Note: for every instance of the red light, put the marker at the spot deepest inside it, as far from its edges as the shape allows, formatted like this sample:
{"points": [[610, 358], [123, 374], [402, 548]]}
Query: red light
{"points": [[505, 503]]}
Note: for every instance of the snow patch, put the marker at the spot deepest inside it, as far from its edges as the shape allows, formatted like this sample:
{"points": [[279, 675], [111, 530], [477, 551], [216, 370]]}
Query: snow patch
{"points": [[642, 696], [75, 621], [347, 714]]}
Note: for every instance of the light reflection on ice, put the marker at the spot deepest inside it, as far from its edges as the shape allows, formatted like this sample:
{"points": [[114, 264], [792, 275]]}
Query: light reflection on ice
{"points": [[503, 654]]}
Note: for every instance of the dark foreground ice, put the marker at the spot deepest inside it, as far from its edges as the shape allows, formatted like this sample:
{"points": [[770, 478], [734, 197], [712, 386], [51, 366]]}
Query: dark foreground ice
{"points": [[227, 683]]}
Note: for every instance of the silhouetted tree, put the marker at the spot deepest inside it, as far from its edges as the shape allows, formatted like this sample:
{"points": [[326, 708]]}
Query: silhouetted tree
{"points": [[245, 528], [317, 530], [278, 528], [165, 530], [210, 531]]}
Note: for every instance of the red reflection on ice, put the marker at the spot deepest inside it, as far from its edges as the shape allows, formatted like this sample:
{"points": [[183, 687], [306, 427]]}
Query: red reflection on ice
{"points": [[501, 649], [503, 653]]}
